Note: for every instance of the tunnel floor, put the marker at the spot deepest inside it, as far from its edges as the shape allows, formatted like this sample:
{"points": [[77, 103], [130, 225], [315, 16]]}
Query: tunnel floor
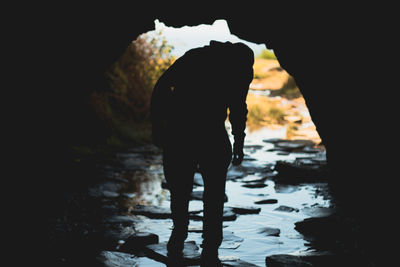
{"points": [[278, 210]]}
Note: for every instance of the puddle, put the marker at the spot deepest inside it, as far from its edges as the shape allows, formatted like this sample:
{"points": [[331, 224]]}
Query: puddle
{"points": [[299, 202]]}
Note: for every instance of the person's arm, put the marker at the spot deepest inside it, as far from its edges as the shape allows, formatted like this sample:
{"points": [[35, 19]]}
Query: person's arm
{"points": [[238, 117], [158, 105]]}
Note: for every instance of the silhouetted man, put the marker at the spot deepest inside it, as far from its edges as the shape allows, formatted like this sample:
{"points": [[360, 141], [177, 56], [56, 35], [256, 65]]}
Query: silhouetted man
{"points": [[188, 112]]}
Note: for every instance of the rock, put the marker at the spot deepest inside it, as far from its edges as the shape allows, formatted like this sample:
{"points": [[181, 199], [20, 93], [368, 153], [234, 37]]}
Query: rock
{"points": [[134, 162], [195, 211], [252, 148], [286, 209], [229, 236], [301, 170], [255, 179], [293, 118], [269, 231], [273, 140], [237, 263], [152, 212], [286, 146], [129, 195], [110, 209], [245, 169], [230, 245], [315, 227], [116, 259], [323, 259], [234, 173], [195, 228], [138, 241], [113, 236], [318, 211], [248, 158], [289, 145], [312, 149], [286, 261], [285, 188], [143, 150], [245, 209], [198, 195], [107, 189], [198, 180], [283, 153], [255, 185], [331, 233], [110, 194], [158, 252], [230, 241], [233, 261], [266, 201], [121, 219], [164, 184], [228, 258], [228, 215]]}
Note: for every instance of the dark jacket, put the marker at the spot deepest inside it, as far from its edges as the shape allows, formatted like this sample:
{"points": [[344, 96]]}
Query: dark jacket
{"points": [[192, 97]]}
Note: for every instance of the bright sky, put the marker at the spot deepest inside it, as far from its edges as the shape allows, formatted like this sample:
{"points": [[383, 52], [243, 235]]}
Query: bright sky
{"points": [[185, 38]]}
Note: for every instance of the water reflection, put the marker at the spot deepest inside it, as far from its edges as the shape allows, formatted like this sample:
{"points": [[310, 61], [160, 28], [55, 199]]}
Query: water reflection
{"points": [[144, 187]]}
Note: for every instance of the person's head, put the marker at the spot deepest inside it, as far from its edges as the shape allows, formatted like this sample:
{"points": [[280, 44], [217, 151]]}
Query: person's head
{"points": [[238, 52], [243, 54]]}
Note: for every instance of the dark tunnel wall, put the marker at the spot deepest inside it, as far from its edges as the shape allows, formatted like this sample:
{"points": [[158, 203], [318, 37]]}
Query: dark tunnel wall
{"points": [[325, 49], [313, 50]]}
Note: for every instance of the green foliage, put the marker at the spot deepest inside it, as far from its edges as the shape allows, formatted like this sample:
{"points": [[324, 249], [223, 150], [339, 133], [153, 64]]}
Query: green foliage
{"points": [[256, 115], [276, 114], [262, 75], [290, 89], [264, 114], [266, 54], [125, 105], [291, 130]]}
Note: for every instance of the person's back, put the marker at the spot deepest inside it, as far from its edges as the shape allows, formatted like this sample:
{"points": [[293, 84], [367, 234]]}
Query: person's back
{"points": [[188, 112], [206, 82]]}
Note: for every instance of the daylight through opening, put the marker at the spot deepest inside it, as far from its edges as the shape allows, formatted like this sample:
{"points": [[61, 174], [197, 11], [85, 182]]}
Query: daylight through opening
{"points": [[281, 180]]}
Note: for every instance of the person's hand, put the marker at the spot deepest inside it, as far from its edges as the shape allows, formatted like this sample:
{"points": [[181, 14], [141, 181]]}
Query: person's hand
{"points": [[237, 154]]}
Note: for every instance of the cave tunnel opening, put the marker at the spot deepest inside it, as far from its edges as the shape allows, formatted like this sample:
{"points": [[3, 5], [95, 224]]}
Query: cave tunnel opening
{"points": [[104, 219], [282, 177], [274, 100], [88, 192]]}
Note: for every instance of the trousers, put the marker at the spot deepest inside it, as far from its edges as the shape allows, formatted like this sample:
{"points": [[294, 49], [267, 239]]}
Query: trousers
{"points": [[180, 161]]}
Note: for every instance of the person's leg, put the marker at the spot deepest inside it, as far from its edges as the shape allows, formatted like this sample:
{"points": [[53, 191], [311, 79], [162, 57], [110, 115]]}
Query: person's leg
{"points": [[213, 201], [214, 168], [179, 172]]}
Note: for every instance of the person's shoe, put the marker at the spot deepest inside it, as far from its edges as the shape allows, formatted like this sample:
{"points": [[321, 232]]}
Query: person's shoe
{"points": [[175, 249], [210, 259], [175, 244], [176, 261]]}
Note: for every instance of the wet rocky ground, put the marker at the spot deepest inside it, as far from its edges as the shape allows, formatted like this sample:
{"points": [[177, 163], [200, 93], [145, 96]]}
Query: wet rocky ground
{"points": [[278, 211]]}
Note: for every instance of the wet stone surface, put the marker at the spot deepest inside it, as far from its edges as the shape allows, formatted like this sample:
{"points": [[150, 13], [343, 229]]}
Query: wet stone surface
{"points": [[228, 215], [286, 209], [245, 209], [254, 185], [266, 201], [117, 259], [153, 212], [132, 206], [158, 252], [137, 241], [198, 195], [269, 231]]}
